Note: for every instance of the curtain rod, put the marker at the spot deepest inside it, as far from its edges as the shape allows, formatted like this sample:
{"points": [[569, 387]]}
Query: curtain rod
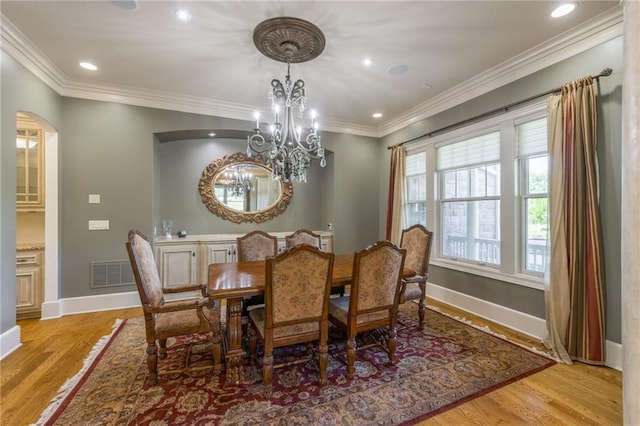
{"points": [[604, 73]]}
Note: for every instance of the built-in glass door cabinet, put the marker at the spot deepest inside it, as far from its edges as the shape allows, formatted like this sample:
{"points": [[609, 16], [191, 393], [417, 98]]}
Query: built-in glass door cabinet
{"points": [[187, 260], [29, 291], [30, 167]]}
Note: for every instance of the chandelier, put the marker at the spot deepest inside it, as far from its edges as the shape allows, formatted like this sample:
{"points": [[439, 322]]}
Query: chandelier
{"points": [[289, 148], [237, 182]]}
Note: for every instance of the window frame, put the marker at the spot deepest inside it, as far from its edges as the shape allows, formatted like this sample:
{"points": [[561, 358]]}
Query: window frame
{"points": [[511, 209]]}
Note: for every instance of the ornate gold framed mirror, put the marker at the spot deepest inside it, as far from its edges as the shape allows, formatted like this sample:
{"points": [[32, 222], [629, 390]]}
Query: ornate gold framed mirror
{"points": [[240, 189]]}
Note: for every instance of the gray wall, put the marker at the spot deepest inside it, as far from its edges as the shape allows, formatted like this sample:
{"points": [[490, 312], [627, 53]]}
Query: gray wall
{"points": [[110, 149], [590, 62], [181, 165], [21, 91]]}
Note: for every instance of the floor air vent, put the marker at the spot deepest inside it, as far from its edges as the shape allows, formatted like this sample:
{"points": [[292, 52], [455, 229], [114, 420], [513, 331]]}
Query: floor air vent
{"points": [[111, 274]]}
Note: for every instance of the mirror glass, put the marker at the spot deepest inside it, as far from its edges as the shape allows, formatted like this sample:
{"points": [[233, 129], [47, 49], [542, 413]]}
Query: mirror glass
{"points": [[246, 187], [240, 189]]}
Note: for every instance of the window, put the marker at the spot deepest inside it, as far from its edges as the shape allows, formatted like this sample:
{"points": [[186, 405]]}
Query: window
{"points": [[483, 190], [534, 174], [416, 181], [469, 198]]}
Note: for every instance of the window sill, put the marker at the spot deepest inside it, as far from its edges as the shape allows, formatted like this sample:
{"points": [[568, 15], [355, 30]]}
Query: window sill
{"points": [[488, 272]]}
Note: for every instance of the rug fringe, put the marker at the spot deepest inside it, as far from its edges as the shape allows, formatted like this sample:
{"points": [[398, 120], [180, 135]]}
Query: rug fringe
{"points": [[488, 330], [69, 385]]}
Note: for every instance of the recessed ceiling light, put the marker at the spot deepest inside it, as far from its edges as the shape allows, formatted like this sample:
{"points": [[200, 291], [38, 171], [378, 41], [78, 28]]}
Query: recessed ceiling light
{"points": [[563, 10], [377, 115], [398, 69], [211, 134], [88, 66], [183, 15], [367, 62]]}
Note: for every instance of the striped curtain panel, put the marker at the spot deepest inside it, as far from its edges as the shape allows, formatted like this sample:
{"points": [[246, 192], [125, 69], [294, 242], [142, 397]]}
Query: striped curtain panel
{"points": [[574, 293], [396, 199]]}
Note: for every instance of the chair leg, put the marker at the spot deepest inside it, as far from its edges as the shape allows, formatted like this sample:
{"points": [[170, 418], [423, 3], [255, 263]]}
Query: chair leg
{"points": [[163, 348], [152, 363], [422, 308], [391, 344], [351, 356], [253, 345], [267, 373], [216, 340], [323, 361]]}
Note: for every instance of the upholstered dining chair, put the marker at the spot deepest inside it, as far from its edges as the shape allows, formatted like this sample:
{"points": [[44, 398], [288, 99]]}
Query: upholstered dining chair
{"points": [[373, 301], [303, 236], [256, 245], [417, 241], [164, 319], [296, 307]]}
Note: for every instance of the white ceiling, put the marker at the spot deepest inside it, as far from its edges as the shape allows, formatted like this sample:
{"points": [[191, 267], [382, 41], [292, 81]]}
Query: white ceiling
{"points": [[211, 65]]}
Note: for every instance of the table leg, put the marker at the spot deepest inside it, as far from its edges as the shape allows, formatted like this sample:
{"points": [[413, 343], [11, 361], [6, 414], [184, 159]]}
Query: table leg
{"points": [[235, 353], [217, 347]]}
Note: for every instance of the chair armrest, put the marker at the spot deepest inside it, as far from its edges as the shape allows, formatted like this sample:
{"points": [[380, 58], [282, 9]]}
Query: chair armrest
{"points": [[179, 305], [415, 279], [204, 289]]}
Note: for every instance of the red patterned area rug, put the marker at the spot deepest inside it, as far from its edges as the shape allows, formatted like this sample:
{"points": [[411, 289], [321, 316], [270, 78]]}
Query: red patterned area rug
{"points": [[446, 364]]}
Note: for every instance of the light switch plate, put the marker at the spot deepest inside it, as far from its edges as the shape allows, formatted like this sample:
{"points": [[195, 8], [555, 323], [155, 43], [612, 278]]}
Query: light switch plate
{"points": [[94, 198], [98, 225]]}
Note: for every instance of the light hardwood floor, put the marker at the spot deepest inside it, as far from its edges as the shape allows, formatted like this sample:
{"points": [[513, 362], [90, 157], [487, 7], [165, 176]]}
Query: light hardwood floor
{"points": [[54, 350]]}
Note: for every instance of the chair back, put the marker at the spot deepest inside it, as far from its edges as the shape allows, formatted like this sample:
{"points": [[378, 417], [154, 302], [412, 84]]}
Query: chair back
{"points": [[417, 241], [377, 272], [145, 270], [256, 245], [304, 236], [297, 286]]}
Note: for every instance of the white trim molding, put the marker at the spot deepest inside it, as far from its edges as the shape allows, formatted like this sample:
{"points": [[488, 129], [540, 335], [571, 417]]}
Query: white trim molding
{"points": [[9, 341], [600, 29], [515, 320], [84, 304]]}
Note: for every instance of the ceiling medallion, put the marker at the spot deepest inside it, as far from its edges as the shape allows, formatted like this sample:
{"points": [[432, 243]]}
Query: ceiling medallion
{"points": [[289, 40], [288, 146]]}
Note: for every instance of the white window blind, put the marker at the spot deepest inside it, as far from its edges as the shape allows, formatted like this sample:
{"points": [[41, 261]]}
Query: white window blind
{"points": [[470, 152], [532, 137], [416, 164]]}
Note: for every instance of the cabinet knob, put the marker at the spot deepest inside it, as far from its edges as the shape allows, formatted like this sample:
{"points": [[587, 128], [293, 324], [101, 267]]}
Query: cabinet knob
{"points": [[193, 253]]}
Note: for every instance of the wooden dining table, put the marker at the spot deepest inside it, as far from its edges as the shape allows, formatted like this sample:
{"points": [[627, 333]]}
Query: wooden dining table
{"points": [[236, 281]]}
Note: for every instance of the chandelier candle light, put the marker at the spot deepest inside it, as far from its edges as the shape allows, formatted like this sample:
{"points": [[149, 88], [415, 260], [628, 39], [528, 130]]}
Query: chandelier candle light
{"points": [[289, 148], [238, 182]]}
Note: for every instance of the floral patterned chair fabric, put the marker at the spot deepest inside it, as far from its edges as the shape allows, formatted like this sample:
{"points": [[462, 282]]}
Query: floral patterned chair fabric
{"points": [[417, 241], [304, 236], [296, 306], [373, 300], [165, 319], [256, 245]]}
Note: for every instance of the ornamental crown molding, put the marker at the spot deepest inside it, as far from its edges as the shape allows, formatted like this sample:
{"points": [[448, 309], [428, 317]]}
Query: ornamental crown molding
{"points": [[598, 30]]}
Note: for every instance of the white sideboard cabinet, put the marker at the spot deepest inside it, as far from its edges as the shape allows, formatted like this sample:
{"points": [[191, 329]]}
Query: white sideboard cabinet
{"points": [[186, 260]]}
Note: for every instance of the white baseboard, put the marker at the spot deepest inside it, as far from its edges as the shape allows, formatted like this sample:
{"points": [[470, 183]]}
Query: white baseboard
{"points": [[9, 341], [515, 320], [84, 304], [613, 355], [521, 322]]}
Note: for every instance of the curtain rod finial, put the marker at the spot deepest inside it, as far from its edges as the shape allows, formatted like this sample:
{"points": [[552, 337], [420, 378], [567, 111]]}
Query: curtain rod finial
{"points": [[606, 72]]}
